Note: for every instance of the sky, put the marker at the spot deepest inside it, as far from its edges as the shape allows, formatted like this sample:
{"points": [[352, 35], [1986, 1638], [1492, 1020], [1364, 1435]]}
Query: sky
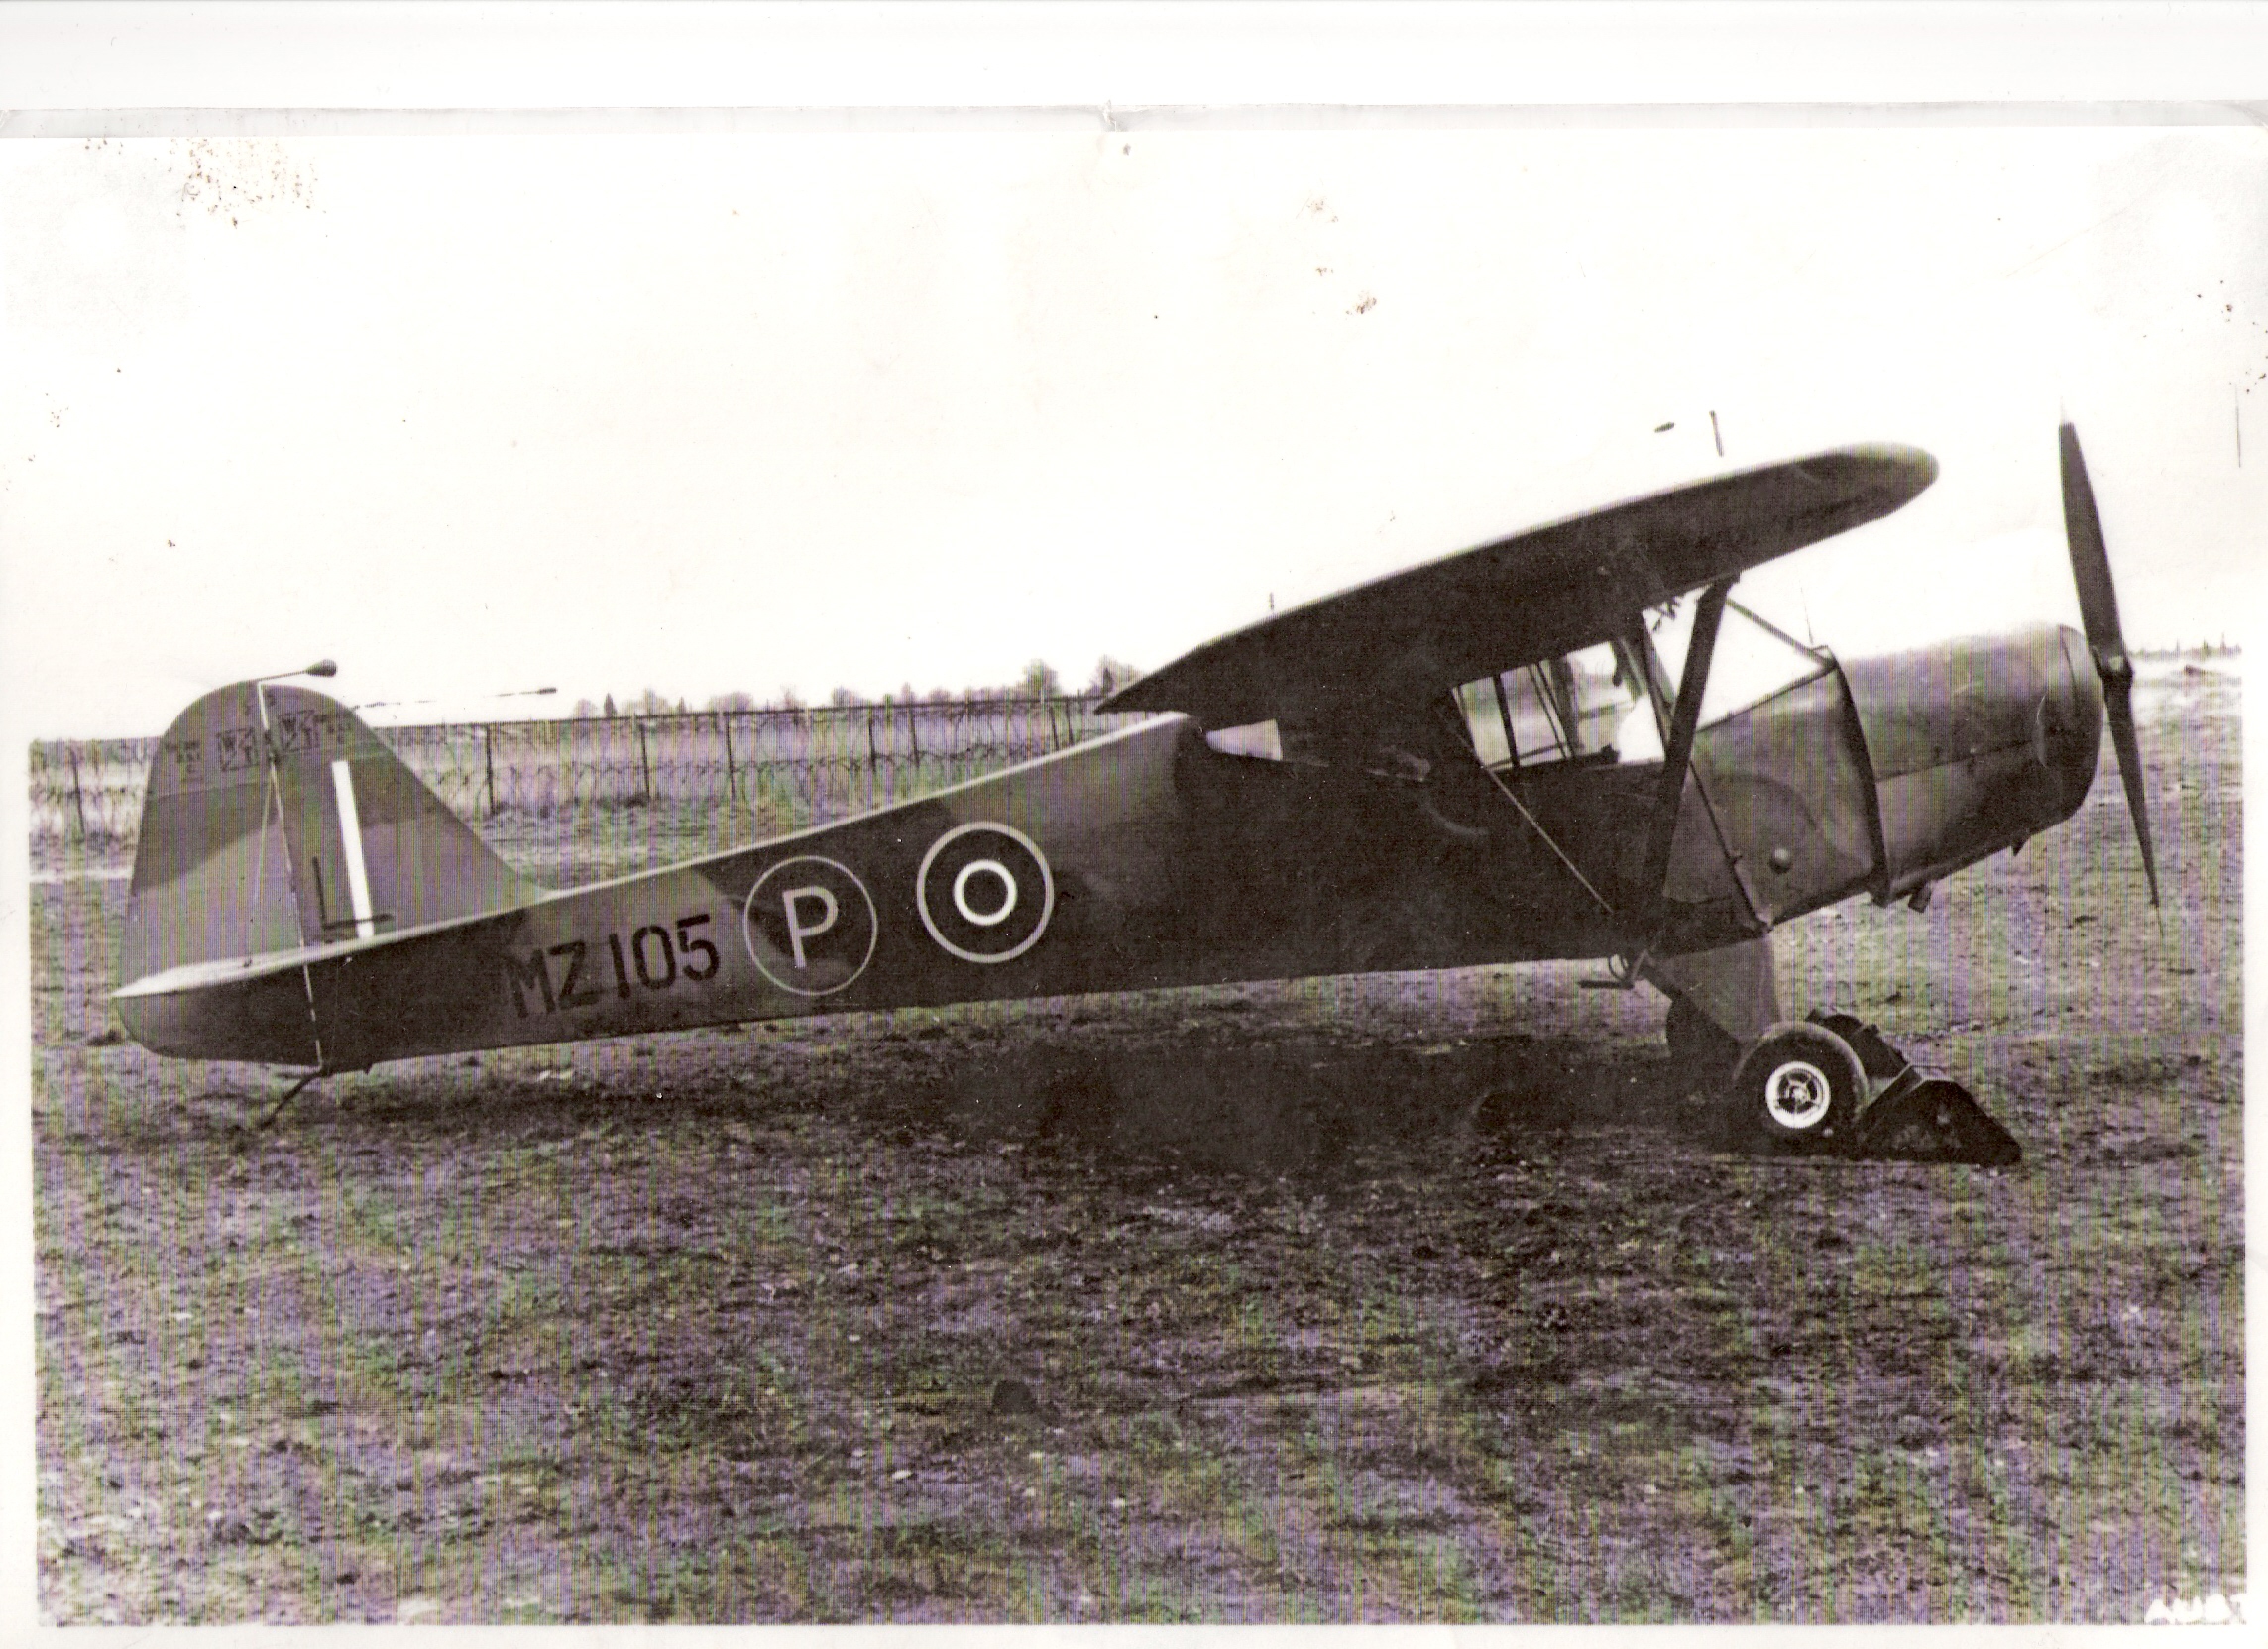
{"points": [[806, 408]]}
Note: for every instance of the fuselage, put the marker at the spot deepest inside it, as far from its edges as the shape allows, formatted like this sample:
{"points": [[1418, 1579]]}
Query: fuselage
{"points": [[1151, 858]]}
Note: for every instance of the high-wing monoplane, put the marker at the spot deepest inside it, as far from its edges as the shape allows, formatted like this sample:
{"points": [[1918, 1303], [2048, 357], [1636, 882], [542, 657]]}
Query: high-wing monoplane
{"points": [[1515, 753]]}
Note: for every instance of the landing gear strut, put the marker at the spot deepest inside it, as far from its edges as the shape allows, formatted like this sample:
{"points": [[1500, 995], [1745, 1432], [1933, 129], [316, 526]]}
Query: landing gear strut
{"points": [[1699, 1044]]}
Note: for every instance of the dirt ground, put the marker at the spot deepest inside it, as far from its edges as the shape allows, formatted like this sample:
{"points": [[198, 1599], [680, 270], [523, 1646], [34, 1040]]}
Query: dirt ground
{"points": [[1216, 1306]]}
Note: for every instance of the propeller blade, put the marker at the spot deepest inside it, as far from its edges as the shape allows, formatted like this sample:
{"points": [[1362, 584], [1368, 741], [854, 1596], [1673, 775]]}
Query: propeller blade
{"points": [[2098, 614], [2119, 711], [2089, 561]]}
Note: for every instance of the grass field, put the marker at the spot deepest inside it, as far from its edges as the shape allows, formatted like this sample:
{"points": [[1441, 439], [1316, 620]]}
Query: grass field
{"points": [[859, 1319]]}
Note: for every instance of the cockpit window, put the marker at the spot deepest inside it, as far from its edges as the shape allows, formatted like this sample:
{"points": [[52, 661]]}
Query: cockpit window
{"points": [[1590, 704], [1261, 740], [1604, 703], [1595, 705]]}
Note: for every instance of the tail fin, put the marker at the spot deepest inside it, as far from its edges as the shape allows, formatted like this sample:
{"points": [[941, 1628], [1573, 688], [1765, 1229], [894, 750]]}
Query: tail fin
{"points": [[275, 819]]}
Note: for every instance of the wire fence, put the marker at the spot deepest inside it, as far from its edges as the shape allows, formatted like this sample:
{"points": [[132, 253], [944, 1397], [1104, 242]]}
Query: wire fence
{"points": [[788, 768]]}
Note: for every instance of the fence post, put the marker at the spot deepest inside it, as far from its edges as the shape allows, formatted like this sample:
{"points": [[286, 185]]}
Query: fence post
{"points": [[488, 762], [78, 802], [873, 763], [644, 767], [731, 789]]}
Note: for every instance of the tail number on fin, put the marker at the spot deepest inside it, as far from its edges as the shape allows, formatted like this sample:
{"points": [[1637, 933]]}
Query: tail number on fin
{"points": [[649, 955]]}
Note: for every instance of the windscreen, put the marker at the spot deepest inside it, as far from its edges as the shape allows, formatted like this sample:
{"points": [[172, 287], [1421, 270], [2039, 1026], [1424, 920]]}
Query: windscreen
{"points": [[1593, 705], [1755, 657]]}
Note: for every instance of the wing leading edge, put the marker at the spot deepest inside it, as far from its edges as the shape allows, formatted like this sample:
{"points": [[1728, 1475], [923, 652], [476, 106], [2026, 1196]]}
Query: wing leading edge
{"points": [[1405, 637]]}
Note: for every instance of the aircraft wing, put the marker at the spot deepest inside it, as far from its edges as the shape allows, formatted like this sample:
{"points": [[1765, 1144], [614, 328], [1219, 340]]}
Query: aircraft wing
{"points": [[1403, 638]]}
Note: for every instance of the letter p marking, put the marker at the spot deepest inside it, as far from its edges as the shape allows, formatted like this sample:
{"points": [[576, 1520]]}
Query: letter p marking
{"points": [[797, 932], [790, 907]]}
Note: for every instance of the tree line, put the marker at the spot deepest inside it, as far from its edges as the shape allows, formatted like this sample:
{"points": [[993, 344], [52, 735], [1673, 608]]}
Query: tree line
{"points": [[1040, 679]]}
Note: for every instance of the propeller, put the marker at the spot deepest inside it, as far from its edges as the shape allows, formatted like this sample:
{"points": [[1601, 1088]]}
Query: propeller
{"points": [[2098, 612]]}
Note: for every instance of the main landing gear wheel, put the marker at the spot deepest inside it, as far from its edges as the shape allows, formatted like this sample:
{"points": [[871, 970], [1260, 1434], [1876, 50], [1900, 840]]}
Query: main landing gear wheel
{"points": [[1800, 1086]]}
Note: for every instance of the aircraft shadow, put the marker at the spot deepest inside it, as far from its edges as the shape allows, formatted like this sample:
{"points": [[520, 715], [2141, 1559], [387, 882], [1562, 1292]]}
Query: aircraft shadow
{"points": [[1308, 1107]]}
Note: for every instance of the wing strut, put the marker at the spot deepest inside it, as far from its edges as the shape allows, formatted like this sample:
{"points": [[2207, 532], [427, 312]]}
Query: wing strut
{"points": [[1677, 761], [1684, 720], [1541, 834]]}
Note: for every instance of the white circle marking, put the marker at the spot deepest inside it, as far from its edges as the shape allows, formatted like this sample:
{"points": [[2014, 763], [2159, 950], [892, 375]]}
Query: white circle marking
{"points": [[961, 903], [748, 934]]}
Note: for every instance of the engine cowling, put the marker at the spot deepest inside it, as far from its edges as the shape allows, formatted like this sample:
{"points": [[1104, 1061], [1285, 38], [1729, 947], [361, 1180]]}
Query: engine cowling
{"points": [[1974, 745]]}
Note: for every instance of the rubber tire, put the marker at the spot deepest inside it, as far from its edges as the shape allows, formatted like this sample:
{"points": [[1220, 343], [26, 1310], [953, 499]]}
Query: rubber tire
{"points": [[1793, 1062]]}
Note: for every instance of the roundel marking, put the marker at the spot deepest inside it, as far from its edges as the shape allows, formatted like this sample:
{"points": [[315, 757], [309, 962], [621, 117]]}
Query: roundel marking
{"points": [[810, 926], [984, 892], [999, 913]]}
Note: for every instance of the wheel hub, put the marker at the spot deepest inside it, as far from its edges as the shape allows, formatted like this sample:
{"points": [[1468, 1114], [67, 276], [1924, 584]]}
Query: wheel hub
{"points": [[1798, 1094]]}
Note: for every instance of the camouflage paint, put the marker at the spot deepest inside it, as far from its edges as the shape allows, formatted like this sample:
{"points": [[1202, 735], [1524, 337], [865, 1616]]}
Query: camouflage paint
{"points": [[1139, 860]]}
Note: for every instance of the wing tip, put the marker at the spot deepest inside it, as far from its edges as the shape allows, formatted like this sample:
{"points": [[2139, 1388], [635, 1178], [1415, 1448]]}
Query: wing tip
{"points": [[1907, 470]]}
